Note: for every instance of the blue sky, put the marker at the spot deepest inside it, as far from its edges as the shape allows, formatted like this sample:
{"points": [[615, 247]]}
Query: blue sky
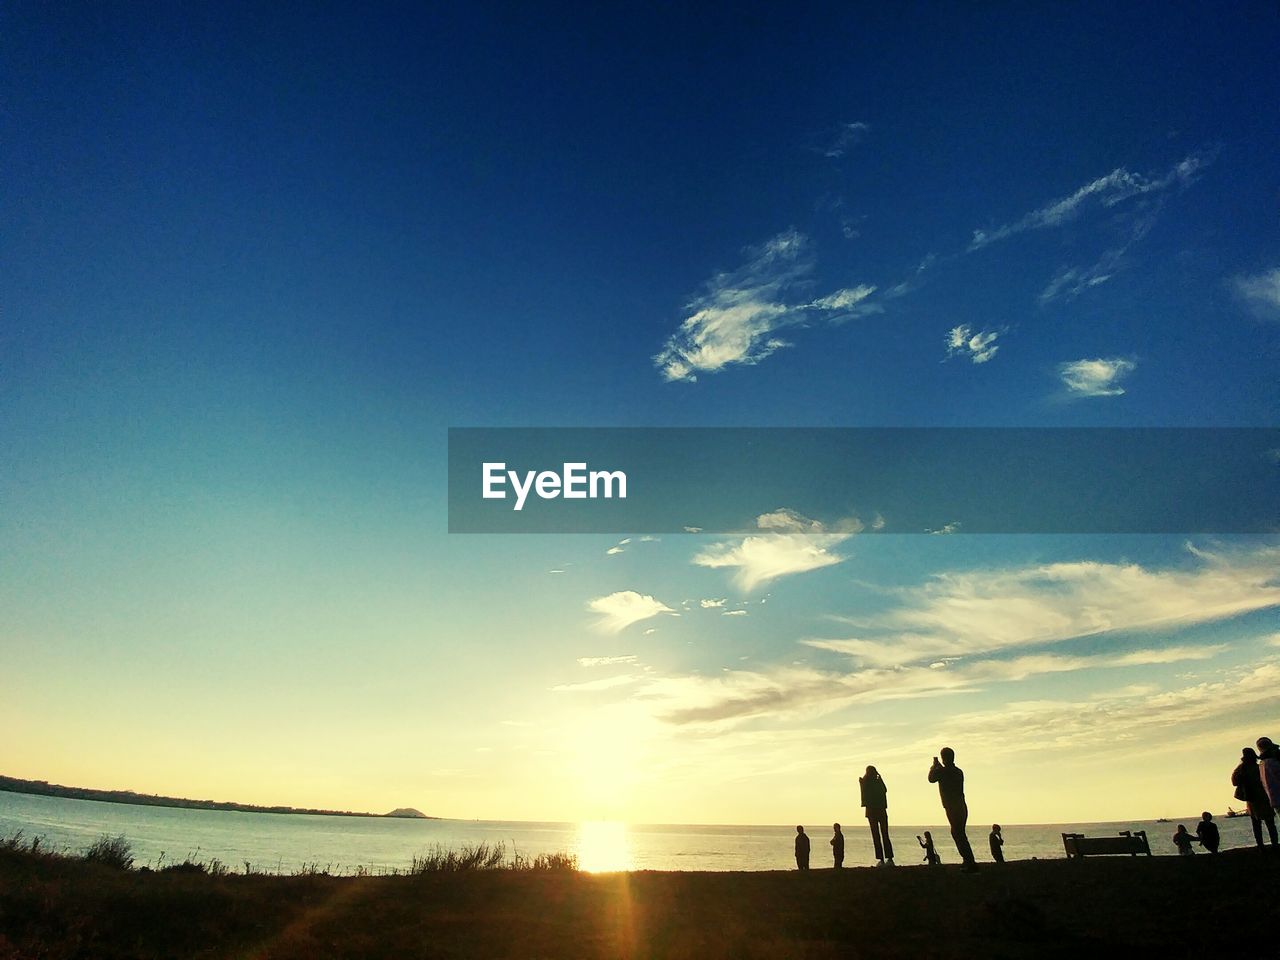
{"points": [[257, 261]]}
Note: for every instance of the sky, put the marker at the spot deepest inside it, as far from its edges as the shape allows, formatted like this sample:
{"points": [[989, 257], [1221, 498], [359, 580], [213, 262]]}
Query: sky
{"points": [[256, 261]]}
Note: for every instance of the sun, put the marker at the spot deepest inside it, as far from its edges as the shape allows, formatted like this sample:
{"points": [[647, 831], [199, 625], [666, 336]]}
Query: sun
{"points": [[603, 846]]}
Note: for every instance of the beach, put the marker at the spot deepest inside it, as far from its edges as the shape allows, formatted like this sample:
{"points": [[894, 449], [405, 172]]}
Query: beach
{"points": [[60, 907]]}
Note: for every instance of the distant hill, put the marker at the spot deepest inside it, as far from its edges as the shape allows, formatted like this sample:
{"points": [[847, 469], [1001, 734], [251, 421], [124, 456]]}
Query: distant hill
{"points": [[409, 813], [45, 789]]}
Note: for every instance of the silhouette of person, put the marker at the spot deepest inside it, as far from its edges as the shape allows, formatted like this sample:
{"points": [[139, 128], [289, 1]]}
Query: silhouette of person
{"points": [[802, 849], [996, 839], [875, 798], [950, 781], [930, 854], [1269, 767], [1207, 832], [1247, 780], [1182, 840], [837, 846]]}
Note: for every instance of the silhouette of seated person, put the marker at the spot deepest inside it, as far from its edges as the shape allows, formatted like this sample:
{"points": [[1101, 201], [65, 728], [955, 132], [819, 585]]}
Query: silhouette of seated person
{"points": [[930, 854], [1207, 832], [1183, 840]]}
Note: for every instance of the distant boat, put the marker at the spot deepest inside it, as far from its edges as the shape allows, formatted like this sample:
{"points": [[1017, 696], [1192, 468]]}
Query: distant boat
{"points": [[1232, 814], [1162, 819]]}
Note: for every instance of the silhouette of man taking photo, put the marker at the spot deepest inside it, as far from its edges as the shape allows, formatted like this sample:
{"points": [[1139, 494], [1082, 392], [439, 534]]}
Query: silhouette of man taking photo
{"points": [[950, 781]]}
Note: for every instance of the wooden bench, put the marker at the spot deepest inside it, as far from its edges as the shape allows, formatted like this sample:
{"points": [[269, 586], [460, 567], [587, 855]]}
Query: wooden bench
{"points": [[1132, 842]]}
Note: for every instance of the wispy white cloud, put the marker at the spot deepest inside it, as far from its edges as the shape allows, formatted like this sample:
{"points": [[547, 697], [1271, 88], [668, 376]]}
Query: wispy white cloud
{"points": [[1098, 377], [985, 611], [845, 136], [590, 686], [1261, 292], [1069, 282], [712, 603], [960, 633], [736, 695], [795, 544], [1124, 720], [759, 560], [979, 347], [735, 321], [606, 661], [734, 613], [1105, 192], [1127, 691], [619, 610], [846, 303]]}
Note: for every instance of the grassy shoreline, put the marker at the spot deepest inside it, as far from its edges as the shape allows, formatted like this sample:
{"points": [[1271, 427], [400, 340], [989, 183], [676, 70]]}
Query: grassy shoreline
{"points": [[54, 906]]}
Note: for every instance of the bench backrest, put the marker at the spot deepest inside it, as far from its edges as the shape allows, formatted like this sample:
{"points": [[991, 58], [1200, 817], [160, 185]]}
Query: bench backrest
{"points": [[1132, 843]]}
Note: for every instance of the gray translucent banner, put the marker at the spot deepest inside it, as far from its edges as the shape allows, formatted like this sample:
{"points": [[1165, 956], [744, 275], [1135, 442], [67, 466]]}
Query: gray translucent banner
{"points": [[891, 480]]}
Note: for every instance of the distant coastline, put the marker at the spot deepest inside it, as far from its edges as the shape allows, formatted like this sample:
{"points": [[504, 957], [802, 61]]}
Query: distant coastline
{"points": [[45, 789]]}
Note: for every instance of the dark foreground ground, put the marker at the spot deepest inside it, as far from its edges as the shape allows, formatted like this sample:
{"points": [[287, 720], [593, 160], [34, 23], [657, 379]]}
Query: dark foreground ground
{"points": [[1166, 907]]}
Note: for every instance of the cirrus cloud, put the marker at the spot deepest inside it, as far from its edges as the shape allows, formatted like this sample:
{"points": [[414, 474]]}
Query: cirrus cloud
{"points": [[1098, 377], [736, 319], [620, 610], [794, 544]]}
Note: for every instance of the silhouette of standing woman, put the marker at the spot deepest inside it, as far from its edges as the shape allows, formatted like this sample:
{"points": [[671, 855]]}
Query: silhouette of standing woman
{"points": [[950, 781], [1247, 780], [875, 798], [802, 849]]}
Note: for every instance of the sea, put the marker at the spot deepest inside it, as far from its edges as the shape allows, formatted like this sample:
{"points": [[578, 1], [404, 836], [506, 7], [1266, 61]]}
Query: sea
{"points": [[291, 843]]}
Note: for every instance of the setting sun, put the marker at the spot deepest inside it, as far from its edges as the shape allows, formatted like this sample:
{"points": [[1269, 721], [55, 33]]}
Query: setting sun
{"points": [[603, 846]]}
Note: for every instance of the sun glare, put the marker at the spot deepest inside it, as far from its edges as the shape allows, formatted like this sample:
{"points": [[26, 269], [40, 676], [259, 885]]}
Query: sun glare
{"points": [[603, 846]]}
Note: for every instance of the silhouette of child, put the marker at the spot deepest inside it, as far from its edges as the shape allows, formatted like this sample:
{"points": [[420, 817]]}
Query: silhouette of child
{"points": [[930, 854], [837, 846], [1207, 832], [997, 843], [802, 849], [1182, 840]]}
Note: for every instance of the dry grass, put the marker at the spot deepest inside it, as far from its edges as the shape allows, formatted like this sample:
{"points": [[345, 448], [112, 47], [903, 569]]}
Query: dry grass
{"points": [[63, 907]]}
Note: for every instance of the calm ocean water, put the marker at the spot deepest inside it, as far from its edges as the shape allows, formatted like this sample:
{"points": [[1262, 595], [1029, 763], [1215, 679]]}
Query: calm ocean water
{"points": [[287, 842]]}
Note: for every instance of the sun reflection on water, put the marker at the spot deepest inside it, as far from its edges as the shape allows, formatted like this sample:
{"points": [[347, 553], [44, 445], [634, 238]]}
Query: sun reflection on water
{"points": [[603, 846]]}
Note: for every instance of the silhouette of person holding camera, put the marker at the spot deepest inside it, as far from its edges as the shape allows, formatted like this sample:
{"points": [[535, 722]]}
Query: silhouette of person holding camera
{"points": [[950, 781]]}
